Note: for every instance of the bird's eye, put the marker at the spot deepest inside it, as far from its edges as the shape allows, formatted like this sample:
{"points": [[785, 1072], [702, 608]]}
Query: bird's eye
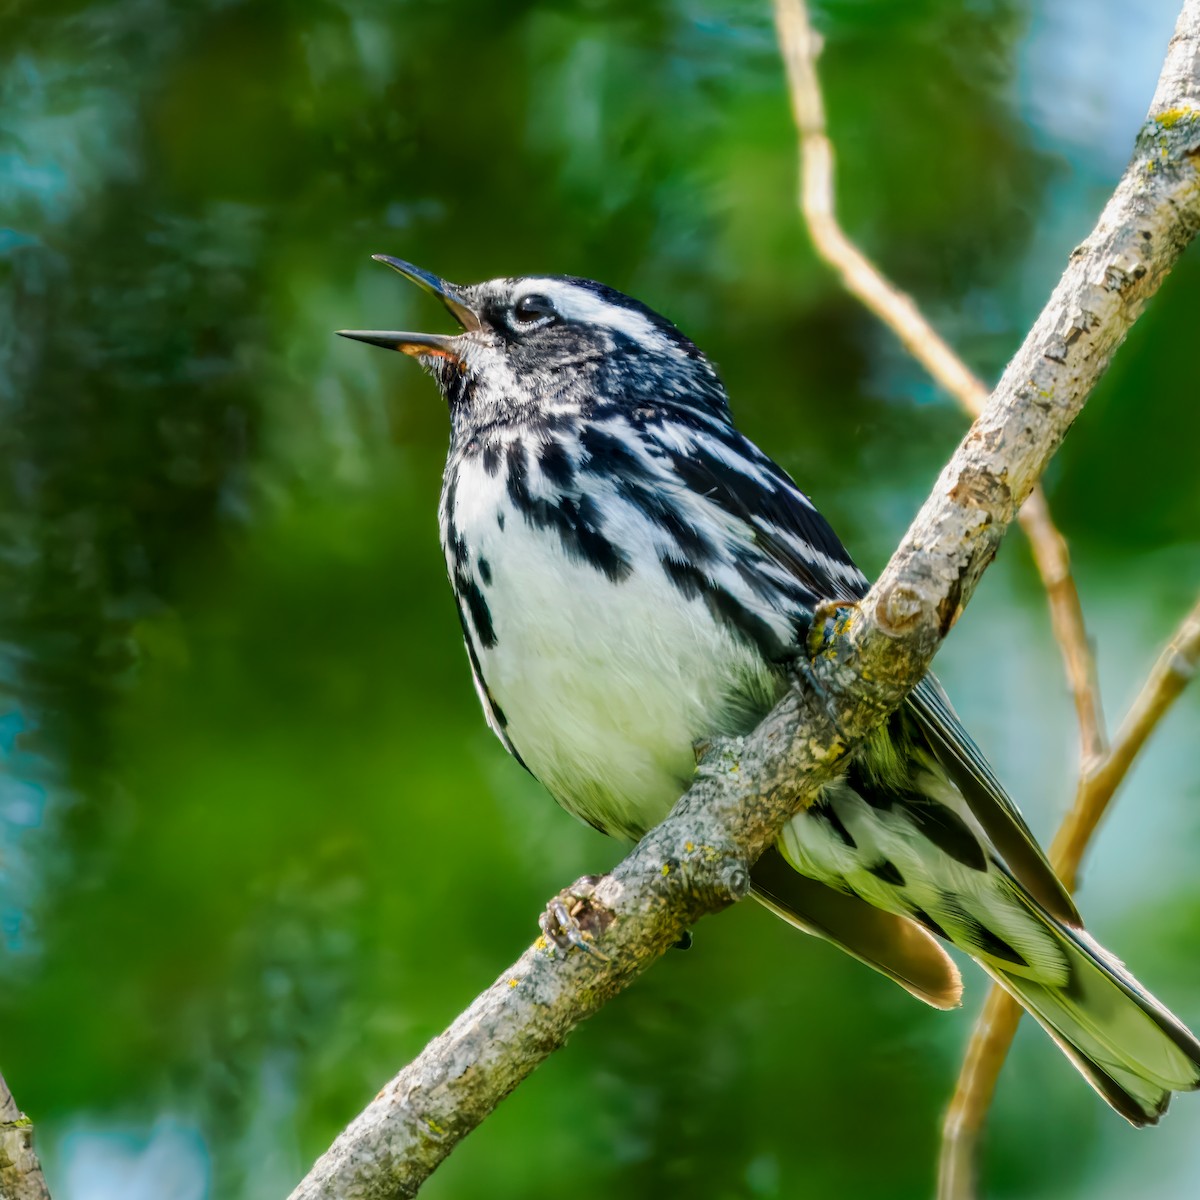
{"points": [[529, 310]]}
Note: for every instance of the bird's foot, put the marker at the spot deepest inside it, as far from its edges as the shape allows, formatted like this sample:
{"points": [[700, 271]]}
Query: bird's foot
{"points": [[829, 621], [685, 941], [571, 919]]}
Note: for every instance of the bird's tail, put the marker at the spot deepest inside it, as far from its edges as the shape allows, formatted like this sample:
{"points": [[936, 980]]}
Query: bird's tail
{"points": [[1127, 1044]]}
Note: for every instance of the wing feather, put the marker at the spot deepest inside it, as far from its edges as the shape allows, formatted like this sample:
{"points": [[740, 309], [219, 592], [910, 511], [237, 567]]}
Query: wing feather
{"points": [[963, 761]]}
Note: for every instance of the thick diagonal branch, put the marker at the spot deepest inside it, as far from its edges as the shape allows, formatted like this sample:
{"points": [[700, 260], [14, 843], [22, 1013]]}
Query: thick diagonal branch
{"points": [[697, 860], [21, 1175]]}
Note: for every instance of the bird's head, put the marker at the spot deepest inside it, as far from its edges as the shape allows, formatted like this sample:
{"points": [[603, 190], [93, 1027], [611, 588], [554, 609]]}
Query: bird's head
{"points": [[550, 342]]}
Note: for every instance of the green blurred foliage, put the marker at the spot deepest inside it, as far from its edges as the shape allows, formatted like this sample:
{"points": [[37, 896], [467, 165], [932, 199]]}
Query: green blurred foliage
{"points": [[256, 844]]}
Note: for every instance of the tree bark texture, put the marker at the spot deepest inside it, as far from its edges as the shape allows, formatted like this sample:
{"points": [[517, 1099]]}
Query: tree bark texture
{"points": [[20, 1172]]}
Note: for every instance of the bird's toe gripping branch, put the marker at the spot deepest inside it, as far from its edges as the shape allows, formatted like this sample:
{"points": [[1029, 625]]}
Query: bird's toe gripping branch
{"points": [[572, 918], [830, 620]]}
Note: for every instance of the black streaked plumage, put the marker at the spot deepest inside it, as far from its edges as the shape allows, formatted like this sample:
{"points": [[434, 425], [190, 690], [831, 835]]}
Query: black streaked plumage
{"points": [[633, 577]]}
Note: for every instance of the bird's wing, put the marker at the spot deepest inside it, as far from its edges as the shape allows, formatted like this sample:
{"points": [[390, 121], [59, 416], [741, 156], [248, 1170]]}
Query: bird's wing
{"points": [[964, 762], [797, 537], [893, 945], [732, 473]]}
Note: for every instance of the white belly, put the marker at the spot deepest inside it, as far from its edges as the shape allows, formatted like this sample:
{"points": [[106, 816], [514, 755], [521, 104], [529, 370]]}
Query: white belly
{"points": [[605, 685]]}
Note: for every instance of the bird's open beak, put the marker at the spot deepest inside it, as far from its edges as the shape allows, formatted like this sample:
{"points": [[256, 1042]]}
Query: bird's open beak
{"points": [[436, 345]]}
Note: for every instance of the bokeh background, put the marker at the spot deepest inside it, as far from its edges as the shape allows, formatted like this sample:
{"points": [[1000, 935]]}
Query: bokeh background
{"points": [[256, 843]]}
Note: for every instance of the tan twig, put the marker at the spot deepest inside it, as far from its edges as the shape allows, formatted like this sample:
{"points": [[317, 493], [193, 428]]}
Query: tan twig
{"points": [[1175, 666], [1053, 561], [800, 46], [986, 1051], [21, 1175], [997, 1023]]}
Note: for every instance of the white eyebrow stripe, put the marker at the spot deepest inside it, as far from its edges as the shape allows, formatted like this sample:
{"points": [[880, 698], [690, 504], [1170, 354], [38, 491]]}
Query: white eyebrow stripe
{"points": [[579, 304]]}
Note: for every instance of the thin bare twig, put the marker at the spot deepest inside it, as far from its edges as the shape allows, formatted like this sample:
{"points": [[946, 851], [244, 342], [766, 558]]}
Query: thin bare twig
{"points": [[1053, 561], [21, 1175], [997, 1023], [800, 46], [1175, 667]]}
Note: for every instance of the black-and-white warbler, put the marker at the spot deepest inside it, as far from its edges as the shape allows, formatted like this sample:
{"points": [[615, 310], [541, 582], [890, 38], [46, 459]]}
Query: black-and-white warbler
{"points": [[633, 577]]}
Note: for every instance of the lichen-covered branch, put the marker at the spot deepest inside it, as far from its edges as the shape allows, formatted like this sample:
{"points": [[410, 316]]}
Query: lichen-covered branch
{"points": [[863, 279], [696, 861], [20, 1172], [997, 1022]]}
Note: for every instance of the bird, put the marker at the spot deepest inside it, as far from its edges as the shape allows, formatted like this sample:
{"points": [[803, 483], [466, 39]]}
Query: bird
{"points": [[634, 578]]}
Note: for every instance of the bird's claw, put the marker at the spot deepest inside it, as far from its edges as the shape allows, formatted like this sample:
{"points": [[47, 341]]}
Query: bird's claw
{"points": [[571, 919], [829, 621]]}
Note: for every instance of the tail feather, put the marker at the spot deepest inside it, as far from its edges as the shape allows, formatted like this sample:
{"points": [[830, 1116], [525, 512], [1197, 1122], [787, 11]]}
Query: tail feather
{"points": [[916, 849], [1124, 1042], [895, 946]]}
